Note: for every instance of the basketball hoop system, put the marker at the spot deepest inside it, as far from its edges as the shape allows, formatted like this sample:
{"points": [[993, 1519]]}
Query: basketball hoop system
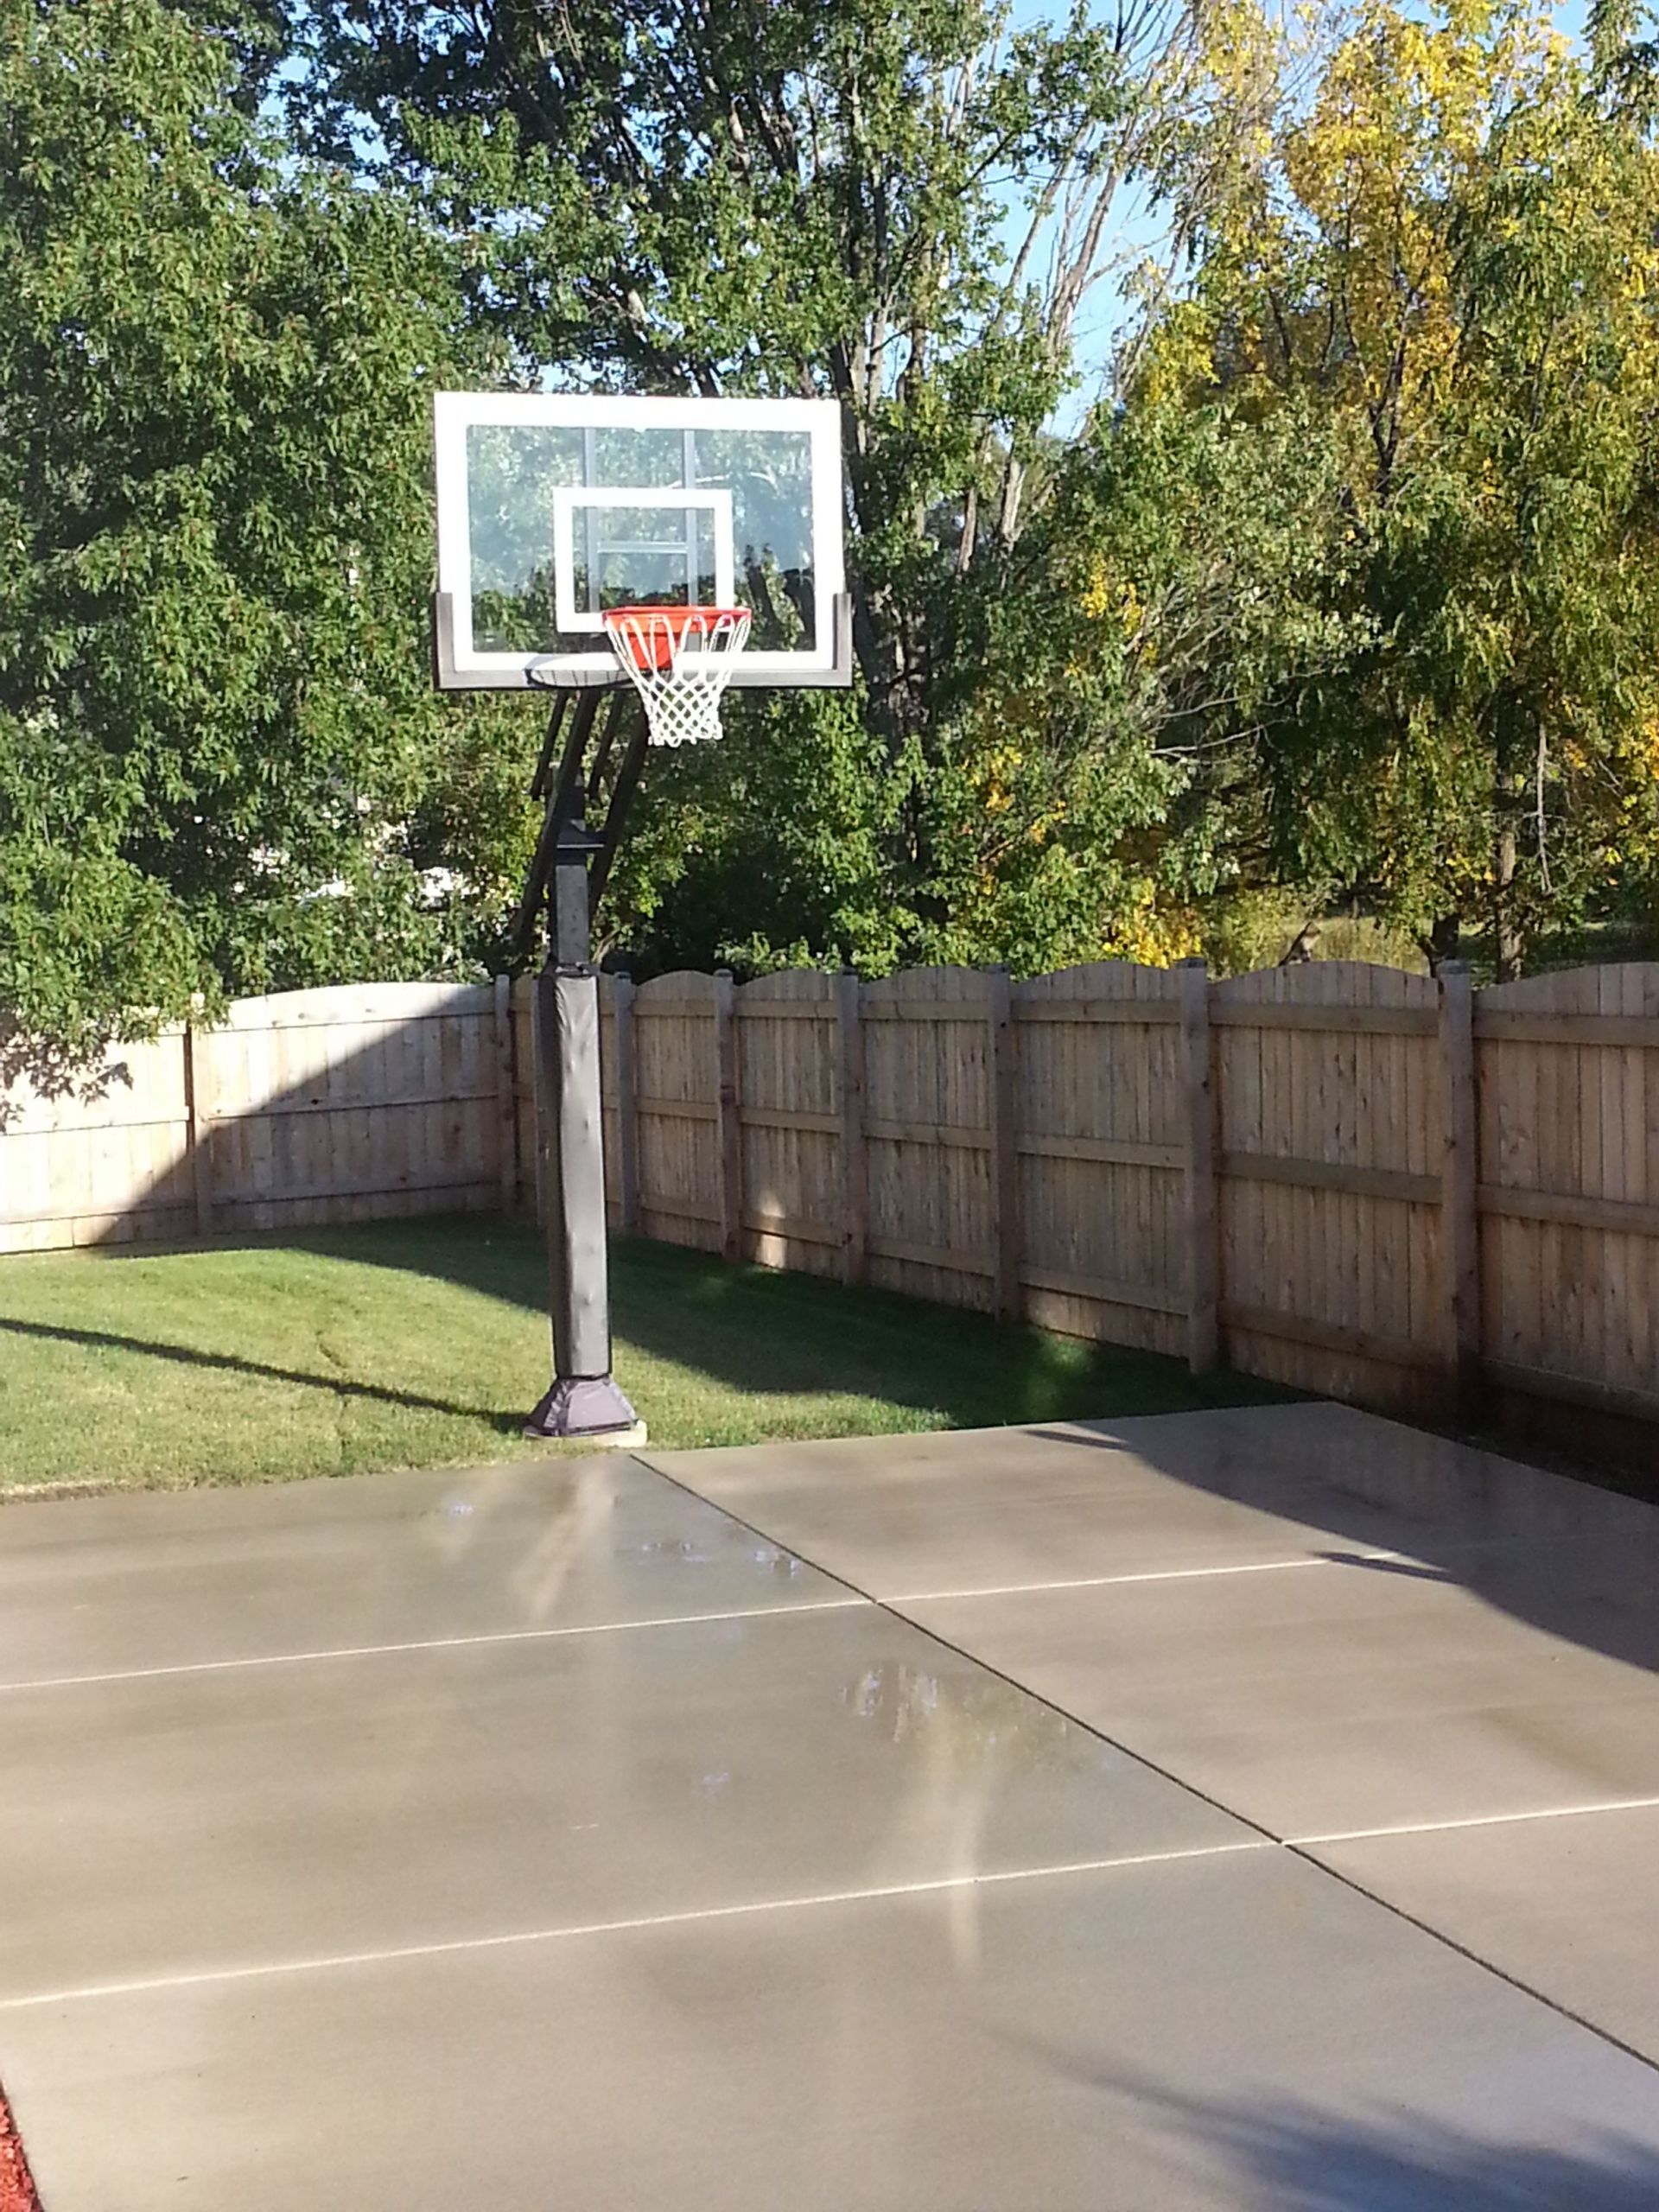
{"points": [[680, 660], [592, 548]]}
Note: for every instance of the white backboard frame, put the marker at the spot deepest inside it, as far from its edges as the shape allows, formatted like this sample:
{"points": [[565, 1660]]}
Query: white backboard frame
{"points": [[459, 666], [571, 499]]}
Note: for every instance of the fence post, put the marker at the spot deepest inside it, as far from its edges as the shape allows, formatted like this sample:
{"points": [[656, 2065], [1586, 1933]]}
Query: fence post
{"points": [[1005, 1158], [731, 1156], [198, 1122], [1198, 1139], [855, 1161], [627, 1114], [507, 1098], [1459, 1176]]}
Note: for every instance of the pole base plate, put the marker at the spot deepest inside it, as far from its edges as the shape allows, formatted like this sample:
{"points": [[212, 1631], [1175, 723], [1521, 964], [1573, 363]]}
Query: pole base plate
{"points": [[591, 1410]]}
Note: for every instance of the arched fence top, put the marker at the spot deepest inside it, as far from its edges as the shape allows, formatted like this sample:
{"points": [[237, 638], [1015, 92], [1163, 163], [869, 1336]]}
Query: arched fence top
{"points": [[1327, 982]]}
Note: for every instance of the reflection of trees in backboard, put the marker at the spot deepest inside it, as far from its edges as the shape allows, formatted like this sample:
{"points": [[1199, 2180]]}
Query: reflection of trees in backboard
{"points": [[515, 621], [769, 474], [780, 601], [513, 470]]}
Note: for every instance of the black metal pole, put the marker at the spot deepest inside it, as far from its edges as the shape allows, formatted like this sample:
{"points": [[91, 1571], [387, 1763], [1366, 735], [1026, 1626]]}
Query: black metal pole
{"points": [[584, 1400]]}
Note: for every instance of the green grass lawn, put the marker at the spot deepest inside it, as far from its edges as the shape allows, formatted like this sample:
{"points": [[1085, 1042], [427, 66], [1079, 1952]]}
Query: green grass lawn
{"points": [[424, 1343]]}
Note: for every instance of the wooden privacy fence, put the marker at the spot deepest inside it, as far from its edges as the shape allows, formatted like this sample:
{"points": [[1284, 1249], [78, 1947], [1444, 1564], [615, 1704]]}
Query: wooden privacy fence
{"points": [[308, 1108], [1340, 1177], [1347, 1179]]}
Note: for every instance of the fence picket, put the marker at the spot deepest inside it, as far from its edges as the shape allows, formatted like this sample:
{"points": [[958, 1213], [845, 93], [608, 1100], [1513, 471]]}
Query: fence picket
{"points": [[1004, 1141], [731, 1174], [1199, 1104], [627, 1112], [855, 1159], [1460, 1224]]}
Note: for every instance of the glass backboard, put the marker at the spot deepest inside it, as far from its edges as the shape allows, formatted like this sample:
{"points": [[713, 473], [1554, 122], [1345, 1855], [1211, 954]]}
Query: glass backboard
{"points": [[553, 508]]}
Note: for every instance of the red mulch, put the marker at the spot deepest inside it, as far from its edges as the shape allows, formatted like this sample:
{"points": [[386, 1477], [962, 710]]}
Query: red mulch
{"points": [[16, 2187]]}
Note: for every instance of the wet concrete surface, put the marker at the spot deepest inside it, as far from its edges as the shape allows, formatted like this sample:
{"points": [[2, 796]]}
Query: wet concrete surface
{"points": [[1037, 1818]]}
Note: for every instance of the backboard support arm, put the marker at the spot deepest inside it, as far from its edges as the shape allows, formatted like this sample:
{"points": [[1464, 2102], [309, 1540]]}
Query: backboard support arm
{"points": [[627, 782], [555, 799], [545, 761]]}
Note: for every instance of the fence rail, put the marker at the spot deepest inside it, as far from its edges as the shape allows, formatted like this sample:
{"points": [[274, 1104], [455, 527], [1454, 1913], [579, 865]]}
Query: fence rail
{"points": [[1343, 1178]]}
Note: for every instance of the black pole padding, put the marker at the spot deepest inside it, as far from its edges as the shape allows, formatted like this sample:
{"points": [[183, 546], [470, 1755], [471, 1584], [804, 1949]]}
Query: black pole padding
{"points": [[585, 1400]]}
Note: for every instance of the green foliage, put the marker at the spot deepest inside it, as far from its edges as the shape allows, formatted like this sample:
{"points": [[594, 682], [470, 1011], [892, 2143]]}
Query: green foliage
{"points": [[900, 203], [1449, 265], [1155, 624], [1246, 929], [1349, 598], [774, 848], [214, 720]]}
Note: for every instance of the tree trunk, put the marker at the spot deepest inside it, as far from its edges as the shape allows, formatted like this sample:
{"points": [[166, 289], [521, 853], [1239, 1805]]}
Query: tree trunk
{"points": [[1506, 931], [1445, 937]]}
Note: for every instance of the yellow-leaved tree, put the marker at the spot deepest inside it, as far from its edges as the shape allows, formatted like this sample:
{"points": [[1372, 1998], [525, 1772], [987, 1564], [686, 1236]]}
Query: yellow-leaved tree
{"points": [[1445, 267]]}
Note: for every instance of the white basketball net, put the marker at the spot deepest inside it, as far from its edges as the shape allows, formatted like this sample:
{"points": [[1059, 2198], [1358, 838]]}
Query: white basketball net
{"points": [[680, 661]]}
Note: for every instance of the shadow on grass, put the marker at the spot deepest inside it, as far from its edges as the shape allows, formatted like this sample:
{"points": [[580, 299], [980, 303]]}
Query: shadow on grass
{"points": [[759, 1330], [232, 1363]]}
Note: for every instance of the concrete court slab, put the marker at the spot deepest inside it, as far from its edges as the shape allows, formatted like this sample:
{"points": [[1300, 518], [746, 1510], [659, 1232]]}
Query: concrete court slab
{"points": [[1572, 1904], [1352, 1698], [1495, 1650], [125, 1582], [1228, 2025], [1238, 2032], [1235, 1488], [1494, 1656], [444, 1793]]}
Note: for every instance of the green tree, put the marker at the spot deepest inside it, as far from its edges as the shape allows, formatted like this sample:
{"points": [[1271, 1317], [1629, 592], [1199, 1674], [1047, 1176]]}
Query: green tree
{"points": [[904, 204], [1447, 258], [1180, 587], [219, 754]]}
